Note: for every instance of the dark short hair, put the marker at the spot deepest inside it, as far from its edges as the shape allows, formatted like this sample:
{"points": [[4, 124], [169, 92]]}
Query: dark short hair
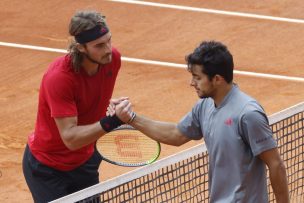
{"points": [[215, 59]]}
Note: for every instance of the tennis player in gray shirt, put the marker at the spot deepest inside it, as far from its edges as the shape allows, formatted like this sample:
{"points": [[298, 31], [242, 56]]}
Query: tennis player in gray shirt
{"points": [[234, 126]]}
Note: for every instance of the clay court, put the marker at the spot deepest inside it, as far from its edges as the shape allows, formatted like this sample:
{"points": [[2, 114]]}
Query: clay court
{"points": [[259, 45]]}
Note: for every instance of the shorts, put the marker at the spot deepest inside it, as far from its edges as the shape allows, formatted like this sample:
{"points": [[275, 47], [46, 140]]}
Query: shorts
{"points": [[47, 184]]}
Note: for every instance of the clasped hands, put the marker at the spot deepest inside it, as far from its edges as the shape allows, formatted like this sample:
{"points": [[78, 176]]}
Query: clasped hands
{"points": [[122, 108]]}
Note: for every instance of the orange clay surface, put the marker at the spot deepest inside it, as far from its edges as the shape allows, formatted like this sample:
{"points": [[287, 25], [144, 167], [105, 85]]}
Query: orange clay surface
{"points": [[144, 32]]}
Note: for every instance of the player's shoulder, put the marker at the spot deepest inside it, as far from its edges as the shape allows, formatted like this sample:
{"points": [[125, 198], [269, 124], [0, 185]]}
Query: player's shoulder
{"points": [[59, 69], [253, 111], [62, 63], [203, 104], [116, 59], [115, 53], [255, 118]]}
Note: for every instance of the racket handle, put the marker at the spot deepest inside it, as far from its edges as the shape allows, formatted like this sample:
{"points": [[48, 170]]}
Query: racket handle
{"points": [[109, 123]]}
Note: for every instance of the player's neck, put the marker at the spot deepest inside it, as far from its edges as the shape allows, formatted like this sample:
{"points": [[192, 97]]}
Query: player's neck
{"points": [[90, 67], [221, 93]]}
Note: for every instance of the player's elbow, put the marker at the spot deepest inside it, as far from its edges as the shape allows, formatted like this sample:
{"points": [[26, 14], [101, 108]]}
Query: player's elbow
{"points": [[277, 165], [281, 167], [178, 144], [69, 142], [70, 146], [178, 138]]}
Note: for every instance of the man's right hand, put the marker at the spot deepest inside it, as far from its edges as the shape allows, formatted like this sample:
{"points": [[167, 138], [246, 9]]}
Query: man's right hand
{"points": [[124, 111], [120, 107], [112, 105]]}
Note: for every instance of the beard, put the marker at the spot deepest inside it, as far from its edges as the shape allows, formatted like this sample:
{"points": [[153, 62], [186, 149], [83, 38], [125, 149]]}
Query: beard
{"points": [[205, 94], [98, 62]]}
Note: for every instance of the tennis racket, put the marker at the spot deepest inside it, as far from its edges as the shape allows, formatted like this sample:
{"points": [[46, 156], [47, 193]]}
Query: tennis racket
{"points": [[126, 146]]}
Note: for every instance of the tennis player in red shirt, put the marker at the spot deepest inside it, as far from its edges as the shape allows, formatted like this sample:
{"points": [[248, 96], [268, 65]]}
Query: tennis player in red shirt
{"points": [[60, 157]]}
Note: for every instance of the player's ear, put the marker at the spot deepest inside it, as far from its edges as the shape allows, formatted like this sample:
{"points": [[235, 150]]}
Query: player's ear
{"points": [[218, 79], [80, 47]]}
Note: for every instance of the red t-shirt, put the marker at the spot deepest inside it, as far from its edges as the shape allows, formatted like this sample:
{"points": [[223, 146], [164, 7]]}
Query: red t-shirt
{"points": [[64, 93]]}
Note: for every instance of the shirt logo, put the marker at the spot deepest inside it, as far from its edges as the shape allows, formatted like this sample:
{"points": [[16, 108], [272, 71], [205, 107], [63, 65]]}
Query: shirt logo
{"points": [[229, 122], [263, 139], [109, 73]]}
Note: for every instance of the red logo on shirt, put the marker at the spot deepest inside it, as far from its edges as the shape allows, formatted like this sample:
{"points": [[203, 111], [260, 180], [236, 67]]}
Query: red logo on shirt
{"points": [[229, 121]]}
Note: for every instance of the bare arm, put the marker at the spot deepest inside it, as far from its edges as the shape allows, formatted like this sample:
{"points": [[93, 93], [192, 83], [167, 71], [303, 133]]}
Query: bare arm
{"points": [[164, 132], [75, 137], [277, 173]]}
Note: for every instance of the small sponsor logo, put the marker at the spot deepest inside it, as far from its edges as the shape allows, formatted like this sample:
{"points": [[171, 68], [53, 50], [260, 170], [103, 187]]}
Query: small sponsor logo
{"points": [[109, 73], [263, 139], [229, 122], [107, 125], [103, 30]]}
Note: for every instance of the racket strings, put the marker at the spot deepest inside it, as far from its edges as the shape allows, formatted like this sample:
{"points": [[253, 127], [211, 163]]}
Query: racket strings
{"points": [[128, 146]]}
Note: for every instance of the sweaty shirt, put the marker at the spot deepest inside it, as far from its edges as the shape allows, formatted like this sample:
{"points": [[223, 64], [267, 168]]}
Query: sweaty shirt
{"points": [[235, 132], [65, 93]]}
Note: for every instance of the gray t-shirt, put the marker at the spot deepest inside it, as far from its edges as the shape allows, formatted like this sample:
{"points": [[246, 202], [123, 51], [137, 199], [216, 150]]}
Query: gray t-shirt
{"points": [[235, 133]]}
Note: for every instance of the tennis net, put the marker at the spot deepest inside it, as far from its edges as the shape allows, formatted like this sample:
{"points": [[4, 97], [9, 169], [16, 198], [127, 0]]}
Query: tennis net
{"points": [[183, 177]]}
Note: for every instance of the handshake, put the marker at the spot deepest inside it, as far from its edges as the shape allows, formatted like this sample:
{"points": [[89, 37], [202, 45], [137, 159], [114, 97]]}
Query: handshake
{"points": [[118, 112]]}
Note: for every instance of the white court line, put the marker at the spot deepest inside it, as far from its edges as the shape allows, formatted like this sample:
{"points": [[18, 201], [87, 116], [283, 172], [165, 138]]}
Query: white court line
{"points": [[159, 63], [204, 10]]}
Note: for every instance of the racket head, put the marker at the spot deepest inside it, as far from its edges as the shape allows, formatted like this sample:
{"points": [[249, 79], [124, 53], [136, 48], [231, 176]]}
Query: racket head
{"points": [[126, 146]]}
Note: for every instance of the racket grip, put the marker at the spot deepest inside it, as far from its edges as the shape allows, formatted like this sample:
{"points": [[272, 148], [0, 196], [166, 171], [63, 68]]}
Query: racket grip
{"points": [[109, 123]]}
